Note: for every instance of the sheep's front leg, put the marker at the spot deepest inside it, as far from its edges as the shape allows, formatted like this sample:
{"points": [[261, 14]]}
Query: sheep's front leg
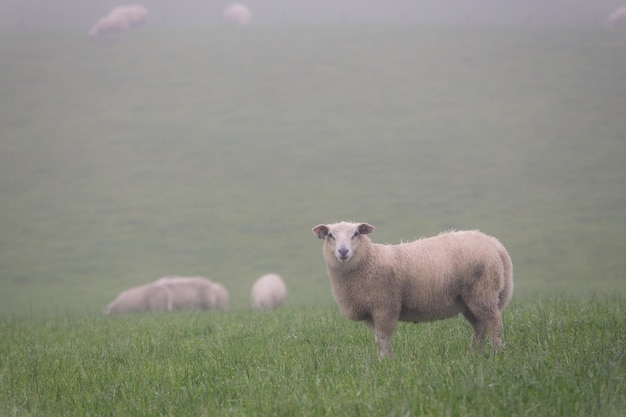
{"points": [[383, 328]]}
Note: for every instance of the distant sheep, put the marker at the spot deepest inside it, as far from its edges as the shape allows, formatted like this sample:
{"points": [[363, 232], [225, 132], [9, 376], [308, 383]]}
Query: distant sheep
{"points": [[109, 26], [135, 14], [269, 291], [119, 20], [237, 14], [429, 279], [195, 293], [149, 297], [171, 294], [618, 18]]}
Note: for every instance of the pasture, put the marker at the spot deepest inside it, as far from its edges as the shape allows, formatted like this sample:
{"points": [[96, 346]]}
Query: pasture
{"points": [[214, 151]]}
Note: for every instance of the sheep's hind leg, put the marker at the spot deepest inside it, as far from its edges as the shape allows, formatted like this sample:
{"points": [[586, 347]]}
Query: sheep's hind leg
{"points": [[479, 328], [486, 321]]}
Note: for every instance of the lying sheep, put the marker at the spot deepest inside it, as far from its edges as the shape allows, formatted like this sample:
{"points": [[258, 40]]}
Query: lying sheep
{"points": [[149, 297], [429, 279], [171, 294], [269, 291], [195, 293]]}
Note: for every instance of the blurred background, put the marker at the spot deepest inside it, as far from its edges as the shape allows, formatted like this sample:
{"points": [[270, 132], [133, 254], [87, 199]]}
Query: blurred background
{"points": [[74, 15], [192, 145]]}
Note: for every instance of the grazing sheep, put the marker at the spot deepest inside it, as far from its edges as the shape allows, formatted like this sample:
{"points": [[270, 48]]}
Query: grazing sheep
{"points": [[269, 291], [237, 14], [195, 293], [618, 18], [149, 297], [429, 279]]}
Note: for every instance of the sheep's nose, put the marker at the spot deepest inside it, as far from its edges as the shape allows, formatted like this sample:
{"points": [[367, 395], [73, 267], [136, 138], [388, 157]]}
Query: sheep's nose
{"points": [[343, 252]]}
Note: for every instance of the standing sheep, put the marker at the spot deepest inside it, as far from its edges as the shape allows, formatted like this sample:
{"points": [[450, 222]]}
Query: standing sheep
{"points": [[429, 279], [189, 293], [149, 297], [269, 291]]}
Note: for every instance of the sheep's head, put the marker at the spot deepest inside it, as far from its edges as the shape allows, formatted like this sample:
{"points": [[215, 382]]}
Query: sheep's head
{"points": [[343, 239]]}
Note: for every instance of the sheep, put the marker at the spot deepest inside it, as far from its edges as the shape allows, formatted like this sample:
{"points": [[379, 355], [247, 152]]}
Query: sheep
{"points": [[135, 14], [428, 279], [237, 14], [269, 291], [195, 293], [171, 293], [109, 26], [148, 297], [618, 18], [119, 20]]}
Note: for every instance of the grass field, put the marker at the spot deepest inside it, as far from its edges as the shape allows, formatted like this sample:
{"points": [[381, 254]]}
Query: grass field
{"points": [[562, 358], [213, 152]]}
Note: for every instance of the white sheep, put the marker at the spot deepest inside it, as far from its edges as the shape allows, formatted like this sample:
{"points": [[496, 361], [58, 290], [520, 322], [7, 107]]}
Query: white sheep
{"points": [[237, 14], [109, 26], [429, 279], [135, 14], [195, 293], [149, 297], [269, 291]]}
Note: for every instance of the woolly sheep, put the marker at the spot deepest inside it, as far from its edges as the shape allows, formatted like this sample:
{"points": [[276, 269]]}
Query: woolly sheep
{"points": [[135, 14], [429, 279], [149, 297], [108, 26], [269, 291], [195, 293], [237, 14]]}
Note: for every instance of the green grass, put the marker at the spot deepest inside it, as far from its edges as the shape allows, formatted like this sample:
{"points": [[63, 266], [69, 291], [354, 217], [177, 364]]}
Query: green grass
{"points": [[562, 357]]}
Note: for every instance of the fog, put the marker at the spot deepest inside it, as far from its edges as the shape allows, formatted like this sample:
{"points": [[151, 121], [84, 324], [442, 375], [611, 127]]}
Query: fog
{"points": [[79, 15]]}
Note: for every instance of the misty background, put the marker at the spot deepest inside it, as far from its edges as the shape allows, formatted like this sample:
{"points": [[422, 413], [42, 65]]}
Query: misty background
{"points": [[187, 147], [77, 16]]}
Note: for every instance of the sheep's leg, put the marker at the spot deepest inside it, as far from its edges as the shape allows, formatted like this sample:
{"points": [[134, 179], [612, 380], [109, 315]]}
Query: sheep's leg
{"points": [[383, 328], [487, 320], [478, 326], [495, 331]]}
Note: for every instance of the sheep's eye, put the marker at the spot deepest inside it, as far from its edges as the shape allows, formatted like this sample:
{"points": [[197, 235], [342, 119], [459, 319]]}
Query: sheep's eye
{"points": [[330, 236], [355, 235]]}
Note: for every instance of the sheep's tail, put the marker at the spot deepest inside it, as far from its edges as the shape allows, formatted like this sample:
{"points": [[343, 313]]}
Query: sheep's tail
{"points": [[507, 289]]}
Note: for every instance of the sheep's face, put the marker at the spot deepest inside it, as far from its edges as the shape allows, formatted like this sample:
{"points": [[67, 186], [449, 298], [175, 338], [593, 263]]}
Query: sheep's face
{"points": [[342, 239]]}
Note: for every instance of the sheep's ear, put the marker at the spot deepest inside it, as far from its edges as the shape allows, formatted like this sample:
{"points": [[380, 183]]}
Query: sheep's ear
{"points": [[365, 229], [321, 231]]}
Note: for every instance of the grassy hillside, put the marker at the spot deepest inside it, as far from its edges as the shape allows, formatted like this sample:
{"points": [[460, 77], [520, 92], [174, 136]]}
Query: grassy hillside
{"points": [[214, 152]]}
